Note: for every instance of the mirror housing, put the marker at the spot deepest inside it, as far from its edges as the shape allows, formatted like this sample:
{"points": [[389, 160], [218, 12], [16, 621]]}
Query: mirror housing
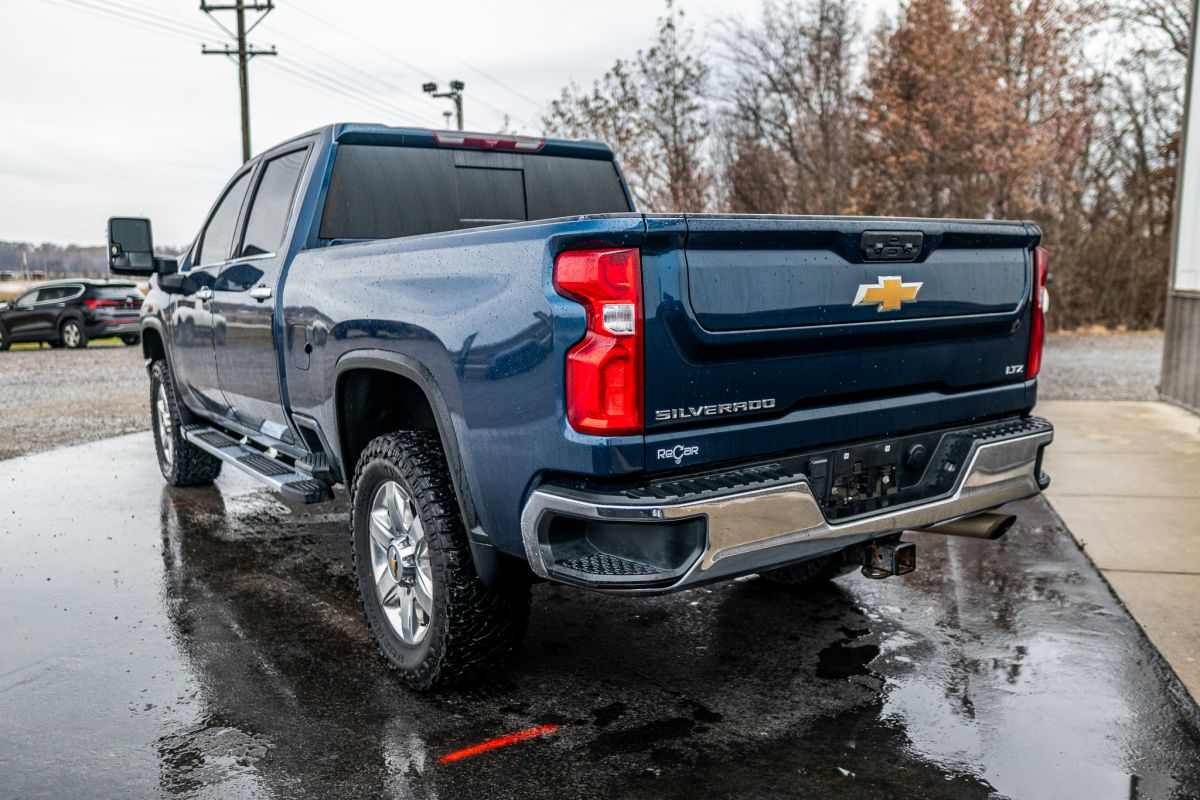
{"points": [[131, 247]]}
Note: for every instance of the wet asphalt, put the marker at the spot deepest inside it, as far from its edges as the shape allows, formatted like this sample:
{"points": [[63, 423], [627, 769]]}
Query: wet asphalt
{"points": [[208, 643]]}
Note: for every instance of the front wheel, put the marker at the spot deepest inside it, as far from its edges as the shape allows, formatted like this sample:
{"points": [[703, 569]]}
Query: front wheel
{"points": [[181, 462], [5, 342], [72, 334], [433, 619]]}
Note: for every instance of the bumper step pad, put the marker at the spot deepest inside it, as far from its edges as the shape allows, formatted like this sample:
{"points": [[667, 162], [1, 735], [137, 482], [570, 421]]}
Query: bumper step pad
{"points": [[294, 484], [609, 565]]}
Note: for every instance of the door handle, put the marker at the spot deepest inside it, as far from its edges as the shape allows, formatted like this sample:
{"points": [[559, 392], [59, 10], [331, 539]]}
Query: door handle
{"points": [[261, 293], [204, 293]]}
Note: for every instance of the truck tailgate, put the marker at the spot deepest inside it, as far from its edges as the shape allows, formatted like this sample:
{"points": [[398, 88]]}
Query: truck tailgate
{"points": [[766, 334]]}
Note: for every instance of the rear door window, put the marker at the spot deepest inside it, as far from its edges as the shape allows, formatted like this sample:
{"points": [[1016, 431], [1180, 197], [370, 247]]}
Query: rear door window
{"points": [[272, 205], [217, 238]]}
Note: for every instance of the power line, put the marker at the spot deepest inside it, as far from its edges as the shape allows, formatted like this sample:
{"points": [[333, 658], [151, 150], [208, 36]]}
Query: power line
{"points": [[298, 74], [332, 82], [388, 54], [181, 31], [203, 32], [537, 103], [347, 67], [114, 13]]}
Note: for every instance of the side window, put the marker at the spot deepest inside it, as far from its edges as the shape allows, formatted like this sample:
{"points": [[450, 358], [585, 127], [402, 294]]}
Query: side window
{"points": [[27, 299], [217, 238], [53, 293], [272, 204]]}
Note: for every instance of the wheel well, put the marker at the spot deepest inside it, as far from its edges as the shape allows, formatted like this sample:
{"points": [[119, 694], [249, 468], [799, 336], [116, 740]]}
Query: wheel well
{"points": [[152, 345], [372, 402]]}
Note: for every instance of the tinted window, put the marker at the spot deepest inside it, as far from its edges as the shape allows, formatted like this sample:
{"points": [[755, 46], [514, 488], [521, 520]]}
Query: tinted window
{"points": [[217, 238], [52, 293], [116, 292], [489, 196], [272, 204], [379, 192]]}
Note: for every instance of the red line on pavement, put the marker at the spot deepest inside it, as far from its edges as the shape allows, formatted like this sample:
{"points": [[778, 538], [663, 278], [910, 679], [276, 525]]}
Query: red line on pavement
{"points": [[499, 741]]}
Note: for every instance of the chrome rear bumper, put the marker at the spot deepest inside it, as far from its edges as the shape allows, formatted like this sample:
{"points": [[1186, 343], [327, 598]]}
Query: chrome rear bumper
{"points": [[753, 529]]}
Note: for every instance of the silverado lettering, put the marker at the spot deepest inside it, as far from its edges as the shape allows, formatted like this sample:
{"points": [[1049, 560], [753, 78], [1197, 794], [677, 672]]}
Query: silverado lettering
{"points": [[713, 410]]}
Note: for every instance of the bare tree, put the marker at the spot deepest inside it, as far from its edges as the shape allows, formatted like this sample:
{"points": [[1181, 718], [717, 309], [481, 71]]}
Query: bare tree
{"points": [[789, 119], [654, 114]]}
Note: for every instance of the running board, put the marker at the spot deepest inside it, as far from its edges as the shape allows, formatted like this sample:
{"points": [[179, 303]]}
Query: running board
{"points": [[293, 484]]}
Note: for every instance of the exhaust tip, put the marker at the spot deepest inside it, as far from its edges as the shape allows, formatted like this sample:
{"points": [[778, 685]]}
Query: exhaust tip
{"points": [[980, 526]]}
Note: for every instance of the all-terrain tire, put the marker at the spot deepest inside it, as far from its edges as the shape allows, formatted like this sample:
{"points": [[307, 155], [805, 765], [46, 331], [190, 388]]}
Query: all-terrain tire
{"points": [[181, 462], [473, 629], [816, 571]]}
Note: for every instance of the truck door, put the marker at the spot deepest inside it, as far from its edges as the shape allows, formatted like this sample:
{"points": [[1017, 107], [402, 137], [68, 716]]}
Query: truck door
{"points": [[192, 321], [244, 300]]}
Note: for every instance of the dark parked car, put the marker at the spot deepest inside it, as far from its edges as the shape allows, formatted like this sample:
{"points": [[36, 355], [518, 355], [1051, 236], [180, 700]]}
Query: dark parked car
{"points": [[69, 313]]}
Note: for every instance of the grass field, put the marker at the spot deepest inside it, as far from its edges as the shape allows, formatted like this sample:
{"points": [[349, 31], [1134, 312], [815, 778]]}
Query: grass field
{"points": [[110, 341]]}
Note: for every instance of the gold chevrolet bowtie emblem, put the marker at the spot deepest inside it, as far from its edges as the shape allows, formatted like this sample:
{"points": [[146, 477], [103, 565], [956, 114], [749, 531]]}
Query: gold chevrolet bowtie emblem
{"points": [[889, 294]]}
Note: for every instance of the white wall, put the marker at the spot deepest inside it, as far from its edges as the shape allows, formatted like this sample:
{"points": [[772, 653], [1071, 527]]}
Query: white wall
{"points": [[1187, 246]]}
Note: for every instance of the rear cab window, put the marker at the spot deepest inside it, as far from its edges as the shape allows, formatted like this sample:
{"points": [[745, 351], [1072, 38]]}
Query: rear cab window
{"points": [[382, 191]]}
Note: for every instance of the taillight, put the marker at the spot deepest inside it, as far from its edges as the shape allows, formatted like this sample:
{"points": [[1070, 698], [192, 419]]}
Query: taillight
{"points": [[604, 370], [1041, 304], [94, 304]]}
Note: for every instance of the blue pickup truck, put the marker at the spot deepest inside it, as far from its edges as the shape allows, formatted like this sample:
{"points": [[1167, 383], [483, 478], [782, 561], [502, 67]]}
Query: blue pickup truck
{"points": [[517, 377]]}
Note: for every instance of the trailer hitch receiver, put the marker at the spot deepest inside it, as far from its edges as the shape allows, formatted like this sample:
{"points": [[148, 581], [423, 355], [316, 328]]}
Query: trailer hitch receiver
{"points": [[884, 559]]}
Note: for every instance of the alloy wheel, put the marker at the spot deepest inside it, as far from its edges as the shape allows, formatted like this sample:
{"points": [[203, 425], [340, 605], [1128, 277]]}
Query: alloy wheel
{"points": [[400, 563], [163, 414]]}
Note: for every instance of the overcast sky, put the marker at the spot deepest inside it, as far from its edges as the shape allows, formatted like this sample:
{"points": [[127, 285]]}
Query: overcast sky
{"points": [[102, 116]]}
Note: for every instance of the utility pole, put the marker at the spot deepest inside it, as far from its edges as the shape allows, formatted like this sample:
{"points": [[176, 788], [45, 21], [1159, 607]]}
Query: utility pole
{"points": [[243, 52], [455, 94]]}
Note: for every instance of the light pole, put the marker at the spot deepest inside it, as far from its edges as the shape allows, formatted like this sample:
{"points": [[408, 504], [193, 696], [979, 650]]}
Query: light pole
{"points": [[455, 94]]}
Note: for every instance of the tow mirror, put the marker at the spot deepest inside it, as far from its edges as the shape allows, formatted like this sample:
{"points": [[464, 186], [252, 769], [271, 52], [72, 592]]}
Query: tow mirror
{"points": [[130, 246]]}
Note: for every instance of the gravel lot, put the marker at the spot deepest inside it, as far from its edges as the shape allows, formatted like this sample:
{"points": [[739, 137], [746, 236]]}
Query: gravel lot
{"points": [[1122, 366], [50, 397]]}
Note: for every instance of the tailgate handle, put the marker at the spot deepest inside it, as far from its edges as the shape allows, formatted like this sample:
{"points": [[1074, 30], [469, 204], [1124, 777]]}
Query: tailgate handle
{"points": [[891, 245]]}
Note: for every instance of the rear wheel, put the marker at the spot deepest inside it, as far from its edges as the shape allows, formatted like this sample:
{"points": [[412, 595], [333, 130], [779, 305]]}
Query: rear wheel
{"points": [[72, 334], [433, 619], [131, 339], [181, 462]]}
